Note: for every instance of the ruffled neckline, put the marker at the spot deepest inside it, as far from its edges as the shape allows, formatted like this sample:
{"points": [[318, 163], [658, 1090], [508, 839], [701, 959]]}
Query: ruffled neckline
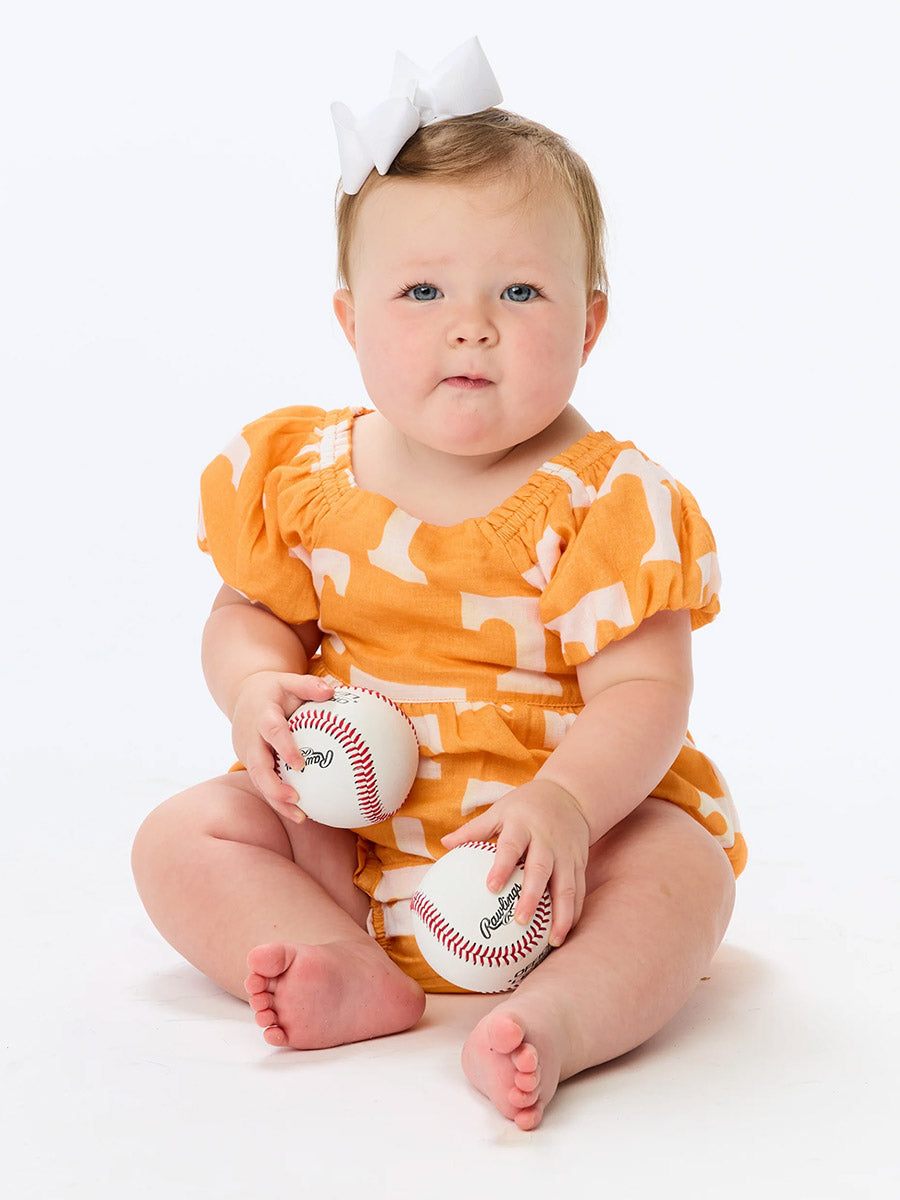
{"points": [[507, 517]]}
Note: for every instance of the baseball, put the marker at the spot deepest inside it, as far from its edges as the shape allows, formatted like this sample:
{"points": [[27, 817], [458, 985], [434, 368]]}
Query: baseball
{"points": [[466, 933], [361, 756]]}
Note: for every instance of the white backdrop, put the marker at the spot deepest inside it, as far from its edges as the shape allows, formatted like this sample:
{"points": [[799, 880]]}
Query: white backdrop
{"points": [[167, 173]]}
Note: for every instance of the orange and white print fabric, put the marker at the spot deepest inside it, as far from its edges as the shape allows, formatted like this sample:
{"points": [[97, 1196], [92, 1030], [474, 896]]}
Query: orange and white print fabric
{"points": [[474, 629]]}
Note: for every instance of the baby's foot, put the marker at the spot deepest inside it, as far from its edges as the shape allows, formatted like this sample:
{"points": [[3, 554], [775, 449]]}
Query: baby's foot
{"points": [[310, 997], [518, 1071]]}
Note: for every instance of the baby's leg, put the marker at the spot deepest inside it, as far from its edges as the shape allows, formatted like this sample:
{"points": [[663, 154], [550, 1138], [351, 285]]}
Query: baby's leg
{"points": [[231, 886], [661, 894]]}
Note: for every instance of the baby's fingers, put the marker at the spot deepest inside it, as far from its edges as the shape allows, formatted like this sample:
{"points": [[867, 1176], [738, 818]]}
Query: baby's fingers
{"points": [[480, 829], [567, 900], [538, 869], [278, 795], [299, 688], [275, 731], [272, 722], [510, 848]]}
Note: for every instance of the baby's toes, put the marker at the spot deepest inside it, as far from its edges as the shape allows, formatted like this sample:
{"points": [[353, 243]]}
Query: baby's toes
{"points": [[525, 1059], [528, 1081], [259, 1001], [530, 1118], [256, 983], [519, 1099], [266, 1017], [272, 959]]}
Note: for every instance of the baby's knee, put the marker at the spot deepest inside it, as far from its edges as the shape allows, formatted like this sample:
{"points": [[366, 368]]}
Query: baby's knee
{"points": [[667, 849], [714, 877], [698, 855], [160, 830], [218, 809], [703, 877]]}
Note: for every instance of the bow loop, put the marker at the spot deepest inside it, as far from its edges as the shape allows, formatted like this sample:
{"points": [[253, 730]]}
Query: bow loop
{"points": [[373, 140], [462, 83]]}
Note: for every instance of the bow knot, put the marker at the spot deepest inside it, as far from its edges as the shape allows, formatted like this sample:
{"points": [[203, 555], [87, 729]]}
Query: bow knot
{"points": [[460, 84]]}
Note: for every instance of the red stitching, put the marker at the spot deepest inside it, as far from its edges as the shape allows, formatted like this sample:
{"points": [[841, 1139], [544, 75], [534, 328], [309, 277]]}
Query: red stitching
{"points": [[475, 952], [388, 700], [364, 775]]}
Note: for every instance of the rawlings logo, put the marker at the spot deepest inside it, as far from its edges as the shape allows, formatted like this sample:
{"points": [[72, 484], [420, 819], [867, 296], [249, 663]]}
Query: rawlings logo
{"points": [[504, 912], [317, 758]]}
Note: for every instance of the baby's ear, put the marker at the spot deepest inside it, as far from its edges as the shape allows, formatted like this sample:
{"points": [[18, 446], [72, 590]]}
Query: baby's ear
{"points": [[345, 312], [597, 310]]}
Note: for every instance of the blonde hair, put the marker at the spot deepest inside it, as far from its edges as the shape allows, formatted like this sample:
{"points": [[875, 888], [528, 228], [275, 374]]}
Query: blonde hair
{"points": [[483, 147]]}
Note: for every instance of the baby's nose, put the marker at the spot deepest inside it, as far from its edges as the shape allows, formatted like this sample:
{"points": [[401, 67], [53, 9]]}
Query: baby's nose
{"points": [[473, 328]]}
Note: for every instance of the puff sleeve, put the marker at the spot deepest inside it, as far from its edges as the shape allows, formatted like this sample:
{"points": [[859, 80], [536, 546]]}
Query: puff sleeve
{"points": [[620, 547], [240, 524]]}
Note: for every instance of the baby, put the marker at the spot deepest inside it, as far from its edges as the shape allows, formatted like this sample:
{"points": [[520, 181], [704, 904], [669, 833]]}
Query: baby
{"points": [[523, 587]]}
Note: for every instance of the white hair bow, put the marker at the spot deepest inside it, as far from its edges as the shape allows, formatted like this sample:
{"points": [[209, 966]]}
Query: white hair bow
{"points": [[460, 84]]}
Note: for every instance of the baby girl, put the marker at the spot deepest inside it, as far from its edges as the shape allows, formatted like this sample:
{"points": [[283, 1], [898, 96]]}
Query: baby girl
{"points": [[524, 587]]}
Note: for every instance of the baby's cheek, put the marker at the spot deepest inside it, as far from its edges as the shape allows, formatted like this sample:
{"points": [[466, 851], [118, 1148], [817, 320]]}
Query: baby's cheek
{"points": [[552, 360], [379, 354]]}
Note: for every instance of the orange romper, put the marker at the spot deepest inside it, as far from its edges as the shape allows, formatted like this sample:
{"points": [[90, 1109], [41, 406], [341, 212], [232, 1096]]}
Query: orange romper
{"points": [[474, 630]]}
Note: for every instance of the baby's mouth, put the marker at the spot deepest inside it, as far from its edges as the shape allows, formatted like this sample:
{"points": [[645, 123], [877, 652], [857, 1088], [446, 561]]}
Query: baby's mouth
{"points": [[467, 382]]}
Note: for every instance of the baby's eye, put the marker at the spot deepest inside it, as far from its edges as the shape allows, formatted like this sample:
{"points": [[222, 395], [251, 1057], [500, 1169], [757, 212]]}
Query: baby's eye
{"points": [[519, 292], [423, 291]]}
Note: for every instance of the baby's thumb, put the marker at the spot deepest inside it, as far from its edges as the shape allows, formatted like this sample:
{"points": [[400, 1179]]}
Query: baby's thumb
{"points": [[480, 829], [306, 687]]}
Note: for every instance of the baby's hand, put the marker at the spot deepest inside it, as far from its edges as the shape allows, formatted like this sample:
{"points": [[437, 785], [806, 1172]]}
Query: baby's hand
{"points": [[259, 726], [544, 823]]}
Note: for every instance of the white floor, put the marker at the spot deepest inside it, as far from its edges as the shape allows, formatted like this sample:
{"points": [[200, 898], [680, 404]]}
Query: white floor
{"points": [[165, 219]]}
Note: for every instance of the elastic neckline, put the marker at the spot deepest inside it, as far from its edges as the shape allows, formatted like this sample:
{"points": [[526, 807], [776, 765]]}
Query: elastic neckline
{"points": [[506, 518]]}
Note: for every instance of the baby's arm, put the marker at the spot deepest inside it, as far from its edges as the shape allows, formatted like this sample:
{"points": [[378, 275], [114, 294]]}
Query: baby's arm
{"points": [[637, 693], [255, 667]]}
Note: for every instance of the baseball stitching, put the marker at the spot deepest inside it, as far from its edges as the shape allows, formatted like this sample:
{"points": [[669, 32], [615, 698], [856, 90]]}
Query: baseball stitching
{"points": [[365, 779], [387, 700], [473, 952]]}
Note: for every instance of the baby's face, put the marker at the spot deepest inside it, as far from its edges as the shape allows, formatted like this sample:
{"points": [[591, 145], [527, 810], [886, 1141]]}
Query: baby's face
{"points": [[467, 311]]}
